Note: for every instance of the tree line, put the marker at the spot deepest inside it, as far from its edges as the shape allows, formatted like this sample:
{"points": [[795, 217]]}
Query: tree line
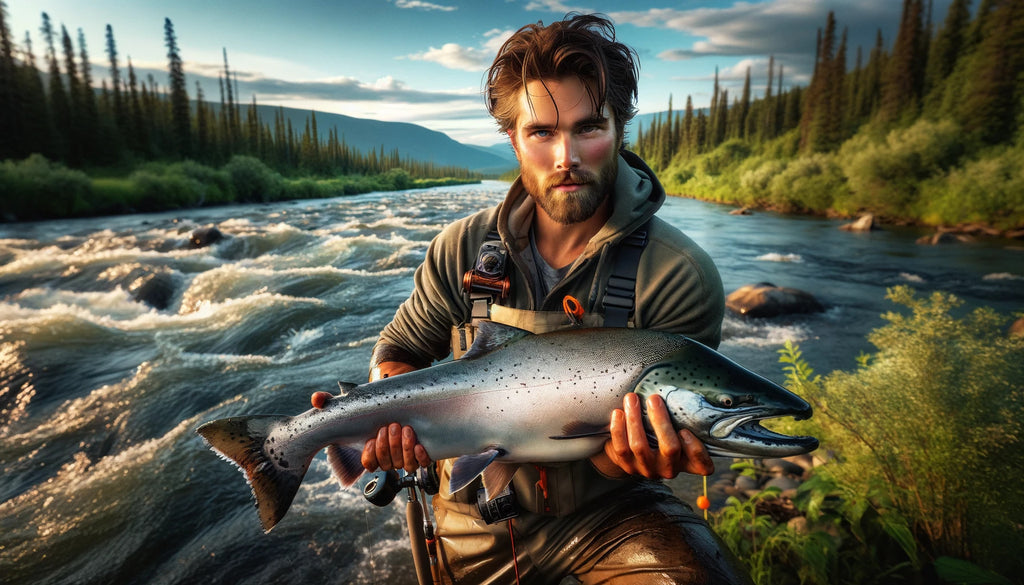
{"points": [[963, 78], [59, 114]]}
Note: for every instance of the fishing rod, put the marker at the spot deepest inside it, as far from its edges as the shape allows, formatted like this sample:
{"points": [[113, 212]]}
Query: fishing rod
{"points": [[382, 489]]}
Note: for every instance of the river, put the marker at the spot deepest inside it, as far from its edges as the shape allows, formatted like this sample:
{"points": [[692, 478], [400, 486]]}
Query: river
{"points": [[117, 340]]}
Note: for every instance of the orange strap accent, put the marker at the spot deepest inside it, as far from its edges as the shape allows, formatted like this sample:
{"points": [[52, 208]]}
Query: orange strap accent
{"points": [[573, 309]]}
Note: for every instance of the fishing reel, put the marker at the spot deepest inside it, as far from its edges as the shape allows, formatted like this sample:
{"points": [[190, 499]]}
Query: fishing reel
{"points": [[385, 485], [488, 275]]}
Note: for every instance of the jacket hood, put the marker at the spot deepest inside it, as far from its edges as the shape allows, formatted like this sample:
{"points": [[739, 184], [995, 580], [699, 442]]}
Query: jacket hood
{"points": [[637, 196]]}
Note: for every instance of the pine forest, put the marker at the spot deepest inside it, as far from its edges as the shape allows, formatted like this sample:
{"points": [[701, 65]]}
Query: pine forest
{"points": [[927, 132]]}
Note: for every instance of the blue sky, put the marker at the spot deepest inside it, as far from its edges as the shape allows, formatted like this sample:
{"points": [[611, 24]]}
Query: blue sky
{"points": [[423, 61]]}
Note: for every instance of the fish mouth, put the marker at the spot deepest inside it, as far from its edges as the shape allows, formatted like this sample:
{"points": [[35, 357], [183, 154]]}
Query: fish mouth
{"points": [[747, 429]]}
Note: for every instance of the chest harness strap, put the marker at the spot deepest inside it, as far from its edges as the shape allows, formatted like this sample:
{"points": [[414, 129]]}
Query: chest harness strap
{"points": [[620, 295]]}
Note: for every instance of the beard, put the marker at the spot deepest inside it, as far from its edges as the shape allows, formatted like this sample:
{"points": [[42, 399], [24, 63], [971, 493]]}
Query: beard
{"points": [[578, 206]]}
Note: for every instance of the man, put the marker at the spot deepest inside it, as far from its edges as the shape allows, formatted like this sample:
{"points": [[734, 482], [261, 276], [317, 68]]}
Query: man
{"points": [[563, 95]]}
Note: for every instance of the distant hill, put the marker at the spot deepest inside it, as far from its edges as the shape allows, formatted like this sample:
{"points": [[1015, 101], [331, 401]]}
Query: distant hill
{"points": [[415, 142]]}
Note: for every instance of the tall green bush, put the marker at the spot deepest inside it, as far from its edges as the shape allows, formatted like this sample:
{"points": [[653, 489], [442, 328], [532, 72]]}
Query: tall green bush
{"points": [[936, 414], [885, 176], [37, 188], [252, 180]]}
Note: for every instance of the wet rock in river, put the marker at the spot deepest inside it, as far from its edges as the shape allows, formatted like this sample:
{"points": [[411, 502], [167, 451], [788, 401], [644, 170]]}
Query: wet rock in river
{"points": [[155, 289], [865, 223], [205, 236], [767, 300]]}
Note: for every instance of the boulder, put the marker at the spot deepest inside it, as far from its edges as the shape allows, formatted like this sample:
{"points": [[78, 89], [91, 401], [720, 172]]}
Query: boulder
{"points": [[741, 211], [155, 289], [767, 300], [943, 237], [205, 236], [865, 223]]}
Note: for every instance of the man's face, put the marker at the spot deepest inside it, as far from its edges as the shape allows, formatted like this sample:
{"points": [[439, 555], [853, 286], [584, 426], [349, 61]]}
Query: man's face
{"points": [[567, 150]]}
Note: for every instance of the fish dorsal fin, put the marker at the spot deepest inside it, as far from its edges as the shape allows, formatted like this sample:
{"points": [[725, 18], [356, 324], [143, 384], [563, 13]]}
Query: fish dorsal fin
{"points": [[580, 430], [491, 336], [469, 467], [496, 478], [345, 387]]}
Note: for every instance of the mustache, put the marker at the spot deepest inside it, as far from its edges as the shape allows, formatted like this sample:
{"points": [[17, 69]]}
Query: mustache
{"points": [[576, 177]]}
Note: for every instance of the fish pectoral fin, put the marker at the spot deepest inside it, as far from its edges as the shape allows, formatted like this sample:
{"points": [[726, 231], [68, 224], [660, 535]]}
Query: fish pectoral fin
{"points": [[469, 467], [581, 430], [496, 478], [345, 462]]}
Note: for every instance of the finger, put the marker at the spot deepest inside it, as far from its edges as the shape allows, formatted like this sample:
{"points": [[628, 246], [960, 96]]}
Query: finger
{"points": [[617, 446], [383, 450], [698, 460], [643, 456], [395, 444], [422, 457], [320, 399], [369, 456], [668, 462], [409, 449]]}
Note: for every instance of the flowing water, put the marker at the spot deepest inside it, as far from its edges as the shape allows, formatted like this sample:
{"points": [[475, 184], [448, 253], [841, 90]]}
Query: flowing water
{"points": [[117, 339]]}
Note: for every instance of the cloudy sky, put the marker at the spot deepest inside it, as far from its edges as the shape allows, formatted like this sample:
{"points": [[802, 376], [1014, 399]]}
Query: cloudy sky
{"points": [[423, 61]]}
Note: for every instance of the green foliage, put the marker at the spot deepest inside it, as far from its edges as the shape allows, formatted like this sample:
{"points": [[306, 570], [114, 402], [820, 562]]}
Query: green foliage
{"points": [[886, 176], [987, 189], [928, 438], [37, 188], [252, 180], [808, 184]]}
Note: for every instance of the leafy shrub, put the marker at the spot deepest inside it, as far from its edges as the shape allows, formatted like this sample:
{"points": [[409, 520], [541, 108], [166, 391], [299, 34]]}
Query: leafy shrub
{"points": [[808, 183], [755, 182], [931, 427], [884, 176], [37, 188], [719, 160], [253, 181], [988, 189]]}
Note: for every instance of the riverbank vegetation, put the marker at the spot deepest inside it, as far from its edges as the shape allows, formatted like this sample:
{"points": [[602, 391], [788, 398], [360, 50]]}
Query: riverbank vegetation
{"points": [[924, 443], [37, 188], [70, 150], [926, 132]]}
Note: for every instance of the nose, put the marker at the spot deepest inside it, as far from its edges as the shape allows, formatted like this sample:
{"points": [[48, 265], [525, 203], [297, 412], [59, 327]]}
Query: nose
{"points": [[566, 155]]}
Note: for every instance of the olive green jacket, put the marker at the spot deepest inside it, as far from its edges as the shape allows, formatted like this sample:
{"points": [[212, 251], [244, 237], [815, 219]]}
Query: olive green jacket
{"points": [[678, 287]]}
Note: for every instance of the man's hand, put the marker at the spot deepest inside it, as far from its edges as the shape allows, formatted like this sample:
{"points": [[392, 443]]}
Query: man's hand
{"points": [[395, 446], [627, 452]]}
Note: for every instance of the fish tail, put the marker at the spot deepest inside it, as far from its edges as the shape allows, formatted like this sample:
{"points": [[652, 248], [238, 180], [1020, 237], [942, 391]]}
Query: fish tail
{"points": [[274, 482]]}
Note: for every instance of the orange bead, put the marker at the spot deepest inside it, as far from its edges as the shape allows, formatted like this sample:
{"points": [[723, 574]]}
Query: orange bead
{"points": [[703, 502]]}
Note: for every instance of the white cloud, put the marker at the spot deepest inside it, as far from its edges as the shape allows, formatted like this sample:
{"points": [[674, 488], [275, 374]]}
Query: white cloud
{"points": [[420, 5], [456, 56]]}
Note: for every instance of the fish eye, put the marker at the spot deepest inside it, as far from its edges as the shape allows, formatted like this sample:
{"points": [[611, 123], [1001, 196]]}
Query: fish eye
{"points": [[726, 400]]}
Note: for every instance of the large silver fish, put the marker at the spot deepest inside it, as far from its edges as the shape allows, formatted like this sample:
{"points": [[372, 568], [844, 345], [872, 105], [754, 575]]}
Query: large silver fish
{"points": [[516, 398]]}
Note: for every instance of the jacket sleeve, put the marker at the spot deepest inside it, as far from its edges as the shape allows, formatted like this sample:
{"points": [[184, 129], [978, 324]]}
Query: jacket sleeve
{"points": [[679, 288], [420, 331]]}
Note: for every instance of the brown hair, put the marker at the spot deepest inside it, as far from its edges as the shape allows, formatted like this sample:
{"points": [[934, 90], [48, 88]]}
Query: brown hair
{"points": [[582, 45]]}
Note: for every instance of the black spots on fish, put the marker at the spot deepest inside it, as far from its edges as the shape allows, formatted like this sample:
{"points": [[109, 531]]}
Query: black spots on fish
{"points": [[283, 463]]}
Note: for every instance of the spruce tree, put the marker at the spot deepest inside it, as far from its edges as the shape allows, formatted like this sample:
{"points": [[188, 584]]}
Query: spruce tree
{"points": [[180, 111], [59, 106], [995, 89], [904, 76], [36, 121], [89, 123], [11, 133], [117, 93]]}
